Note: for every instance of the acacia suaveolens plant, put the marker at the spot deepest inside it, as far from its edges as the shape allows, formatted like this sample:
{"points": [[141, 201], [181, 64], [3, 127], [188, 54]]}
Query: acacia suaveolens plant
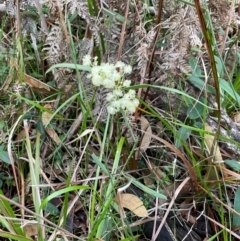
{"points": [[112, 77]]}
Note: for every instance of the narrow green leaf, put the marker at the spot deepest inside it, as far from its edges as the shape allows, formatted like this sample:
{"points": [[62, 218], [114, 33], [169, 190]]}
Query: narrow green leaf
{"points": [[235, 165], [5, 157], [145, 188], [183, 134], [60, 192], [13, 236], [229, 90], [70, 66], [236, 218], [195, 110], [100, 164], [40, 127], [97, 222], [105, 225], [200, 84], [50, 208], [219, 65], [7, 211], [2, 124], [115, 15]]}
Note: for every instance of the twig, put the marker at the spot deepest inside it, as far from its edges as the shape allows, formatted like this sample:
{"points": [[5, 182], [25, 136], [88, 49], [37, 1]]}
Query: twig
{"points": [[228, 27], [123, 31], [42, 17], [64, 26], [178, 190]]}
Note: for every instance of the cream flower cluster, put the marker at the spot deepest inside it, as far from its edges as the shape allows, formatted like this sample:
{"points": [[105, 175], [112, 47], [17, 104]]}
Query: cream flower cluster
{"points": [[111, 76]]}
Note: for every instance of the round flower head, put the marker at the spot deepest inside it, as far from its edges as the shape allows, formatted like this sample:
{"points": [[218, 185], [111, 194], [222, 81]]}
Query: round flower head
{"points": [[127, 69], [131, 108], [110, 96], [131, 94], [96, 75], [116, 76], [132, 105], [96, 80], [111, 110], [116, 104], [87, 60], [126, 83], [120, 65], [118, 92], [95, 62]]}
